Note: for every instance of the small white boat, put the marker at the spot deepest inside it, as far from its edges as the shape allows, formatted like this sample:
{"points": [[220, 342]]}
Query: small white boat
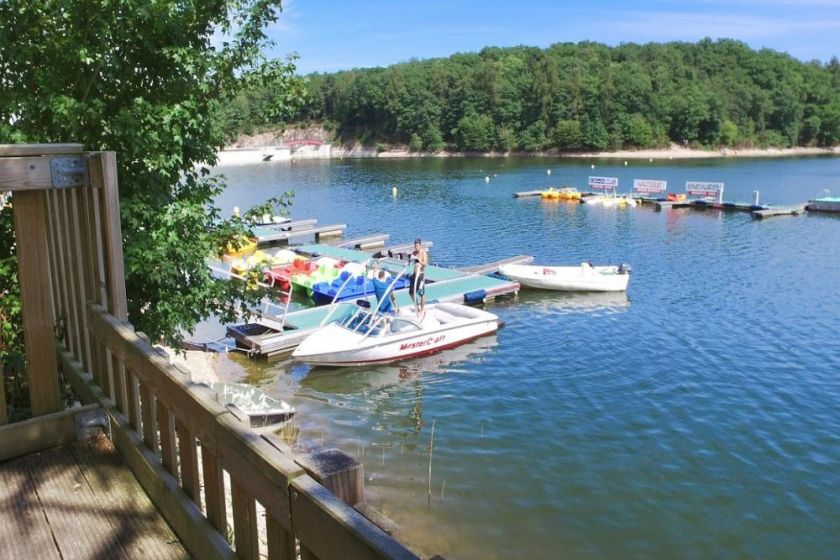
{"points": [[583, 278], [252, 403], [368, 337]]}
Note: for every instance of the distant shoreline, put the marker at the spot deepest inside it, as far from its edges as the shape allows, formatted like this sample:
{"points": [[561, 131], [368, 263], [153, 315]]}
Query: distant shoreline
{"points": [[256, 153]]}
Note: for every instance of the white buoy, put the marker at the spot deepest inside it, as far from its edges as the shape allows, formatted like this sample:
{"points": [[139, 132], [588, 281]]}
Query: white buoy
{"points": [[487, 179], [625, 163], [548, 171], [593, 166], [394, 192], [650, 159]]}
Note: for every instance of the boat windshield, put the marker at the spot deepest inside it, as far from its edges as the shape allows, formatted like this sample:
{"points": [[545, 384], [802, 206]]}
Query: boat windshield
{"points": [[364, 322]]}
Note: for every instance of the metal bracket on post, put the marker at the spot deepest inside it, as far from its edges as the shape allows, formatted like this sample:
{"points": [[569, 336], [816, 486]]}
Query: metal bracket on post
{"points": [[68, 172], [91, 423]]}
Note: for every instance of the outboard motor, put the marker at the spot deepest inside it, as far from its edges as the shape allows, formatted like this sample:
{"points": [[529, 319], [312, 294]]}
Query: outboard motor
{"points": [[625, 268]]}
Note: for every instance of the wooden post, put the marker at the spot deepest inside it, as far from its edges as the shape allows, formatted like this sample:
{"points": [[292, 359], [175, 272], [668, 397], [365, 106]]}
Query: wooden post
{"points": [[30, 214], [338, 472]]}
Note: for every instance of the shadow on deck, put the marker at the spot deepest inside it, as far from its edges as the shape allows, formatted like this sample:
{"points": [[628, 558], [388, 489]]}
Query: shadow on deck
{"points": [[79, 501]]}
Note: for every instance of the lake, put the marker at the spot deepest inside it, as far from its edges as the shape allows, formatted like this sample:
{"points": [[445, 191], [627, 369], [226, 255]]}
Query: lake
{"points": [[698, 416]]}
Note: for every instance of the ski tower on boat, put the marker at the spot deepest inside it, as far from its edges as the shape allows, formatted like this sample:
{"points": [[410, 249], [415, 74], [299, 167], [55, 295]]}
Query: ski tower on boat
{"points": [[272, 334]]}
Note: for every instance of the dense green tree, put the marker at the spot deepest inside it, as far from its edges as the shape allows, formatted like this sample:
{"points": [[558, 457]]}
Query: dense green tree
{"points": [[626, 96], [143, 78], [475, 133]]}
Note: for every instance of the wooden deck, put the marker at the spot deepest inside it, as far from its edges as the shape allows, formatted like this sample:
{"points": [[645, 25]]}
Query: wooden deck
{"points": [[81, 502]]}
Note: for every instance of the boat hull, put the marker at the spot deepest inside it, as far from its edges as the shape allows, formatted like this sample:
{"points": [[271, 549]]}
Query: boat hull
{"points": [[354, 349], [569, 279]]}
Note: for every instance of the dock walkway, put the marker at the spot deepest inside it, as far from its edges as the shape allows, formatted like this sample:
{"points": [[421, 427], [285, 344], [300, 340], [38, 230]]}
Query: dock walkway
{"points": [[442, 284], [79, 501]]}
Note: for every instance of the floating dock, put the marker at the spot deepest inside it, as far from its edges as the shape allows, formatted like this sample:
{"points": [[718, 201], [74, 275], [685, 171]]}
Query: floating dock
{"points": [[363, 243], [825, 204], [286, 231], [269, 336], [493, 268], [779, 211]]}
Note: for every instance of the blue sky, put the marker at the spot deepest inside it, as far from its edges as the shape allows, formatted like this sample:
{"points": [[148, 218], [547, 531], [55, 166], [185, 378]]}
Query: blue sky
{"points": [[339, 35]]}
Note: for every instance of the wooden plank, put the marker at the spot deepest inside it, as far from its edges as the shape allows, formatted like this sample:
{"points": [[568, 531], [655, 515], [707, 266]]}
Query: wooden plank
{"points": [[196, 533], [73, 323], [81, 290], [330, 528], [244, 523], [132, 391], [70, 507], [214, 490], [25, 174], [37, 434], [52, 248], [106, 162], [147, 416], [166, 425], [24, 532], [281, 543], [30, 212], [22, 150], [134, 522], [189, 461]]}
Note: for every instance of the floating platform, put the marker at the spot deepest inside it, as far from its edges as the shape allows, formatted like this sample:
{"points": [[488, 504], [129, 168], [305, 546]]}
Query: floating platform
{"points": [[779, 211], [281, 233], [826, 204], [269, 336], [493, 267], [528, 194], [367, 242]]}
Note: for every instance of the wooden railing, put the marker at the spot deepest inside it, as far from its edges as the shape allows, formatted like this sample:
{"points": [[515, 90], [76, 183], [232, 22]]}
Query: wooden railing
{"points": [[200, 465]]}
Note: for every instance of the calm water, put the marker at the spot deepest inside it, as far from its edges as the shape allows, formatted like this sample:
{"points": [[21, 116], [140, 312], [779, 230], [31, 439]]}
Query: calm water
{"points": [[697, 417]]}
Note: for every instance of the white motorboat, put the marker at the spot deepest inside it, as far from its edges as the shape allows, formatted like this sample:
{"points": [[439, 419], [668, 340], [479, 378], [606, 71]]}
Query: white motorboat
{"points": [[583, 278], [368, 337]]}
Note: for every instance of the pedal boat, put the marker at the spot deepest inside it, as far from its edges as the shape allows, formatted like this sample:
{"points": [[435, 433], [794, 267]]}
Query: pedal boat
{"points": [[368, 337], [583, 278]]}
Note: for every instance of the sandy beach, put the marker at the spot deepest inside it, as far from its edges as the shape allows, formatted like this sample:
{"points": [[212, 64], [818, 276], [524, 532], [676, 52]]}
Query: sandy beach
{"points": [[677, 152]]}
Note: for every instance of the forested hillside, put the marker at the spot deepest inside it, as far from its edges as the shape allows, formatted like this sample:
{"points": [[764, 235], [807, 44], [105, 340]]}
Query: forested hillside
{"points": [[583, 96]]}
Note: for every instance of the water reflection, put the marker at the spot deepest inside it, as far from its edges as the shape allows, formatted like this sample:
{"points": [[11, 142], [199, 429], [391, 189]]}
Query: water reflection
{"points": [[391, 395], [575, 302], [360, 379]]}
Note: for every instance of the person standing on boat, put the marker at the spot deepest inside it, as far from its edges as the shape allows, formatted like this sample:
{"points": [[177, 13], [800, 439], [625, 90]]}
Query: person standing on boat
{"points": [[385, 299], [417, 288]]}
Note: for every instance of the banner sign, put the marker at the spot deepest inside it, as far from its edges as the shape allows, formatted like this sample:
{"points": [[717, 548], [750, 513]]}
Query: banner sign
{"points": [[649, 186], [706, 190], [603, 183]]}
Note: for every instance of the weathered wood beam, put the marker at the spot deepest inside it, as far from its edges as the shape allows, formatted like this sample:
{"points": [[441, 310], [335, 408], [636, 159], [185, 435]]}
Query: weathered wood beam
{"points": [[8, 150], [43, 432], [30, 215]]}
